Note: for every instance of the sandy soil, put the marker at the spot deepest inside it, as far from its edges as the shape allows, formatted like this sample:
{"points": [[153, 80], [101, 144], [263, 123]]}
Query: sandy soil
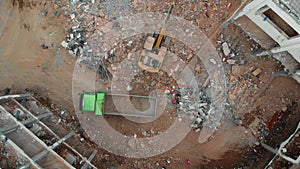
{"points": [[23, 63]]}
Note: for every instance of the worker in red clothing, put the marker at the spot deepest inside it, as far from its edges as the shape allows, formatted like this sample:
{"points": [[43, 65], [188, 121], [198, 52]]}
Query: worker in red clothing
{"points": [[176, 97]]}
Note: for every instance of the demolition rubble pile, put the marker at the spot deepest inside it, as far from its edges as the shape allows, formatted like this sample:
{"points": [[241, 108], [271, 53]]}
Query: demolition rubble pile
{"points": [[84, 16], [75, 41], [82, 20], [195, 104]]}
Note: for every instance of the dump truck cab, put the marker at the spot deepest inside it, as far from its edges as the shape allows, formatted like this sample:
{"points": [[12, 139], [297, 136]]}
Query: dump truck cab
{"points": [[93, 102], [150, 60]]}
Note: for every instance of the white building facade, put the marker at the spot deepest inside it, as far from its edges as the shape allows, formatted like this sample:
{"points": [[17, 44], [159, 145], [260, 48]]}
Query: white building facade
{"points": [[284, 28]]}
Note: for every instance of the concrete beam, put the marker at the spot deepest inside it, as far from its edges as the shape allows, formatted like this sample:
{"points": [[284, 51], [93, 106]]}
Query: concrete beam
{"points": [[279, 150], [285, 16], [37, 157], [12, 128], [267, 27], [57, 157], [13, 96], [292, 41], [254, 12], [285, 48], [20, 151], [252, 6], [45, 152], [269, 148], [48, 129], [62, 140], [295, 54], [261, 10], [86, 165], [33, 116]]}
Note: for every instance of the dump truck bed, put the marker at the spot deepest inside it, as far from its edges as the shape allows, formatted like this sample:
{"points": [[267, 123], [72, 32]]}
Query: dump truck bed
{"points": [[127, 105], [130, 105]]}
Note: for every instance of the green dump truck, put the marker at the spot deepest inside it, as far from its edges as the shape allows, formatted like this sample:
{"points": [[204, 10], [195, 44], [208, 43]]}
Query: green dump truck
{"points": [[102, 103], [93, 102]]}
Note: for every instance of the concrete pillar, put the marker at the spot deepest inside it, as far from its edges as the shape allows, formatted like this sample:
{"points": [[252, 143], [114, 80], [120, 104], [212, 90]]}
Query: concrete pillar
{"points": [[286, 17], [267, 27], [62, 140], [285, 48], [252, 6], [13, 96], [86, 165], [254, 11]]}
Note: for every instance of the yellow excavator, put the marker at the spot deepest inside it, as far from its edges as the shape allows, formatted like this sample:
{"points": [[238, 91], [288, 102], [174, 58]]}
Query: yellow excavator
{"points": [[154, 51]]}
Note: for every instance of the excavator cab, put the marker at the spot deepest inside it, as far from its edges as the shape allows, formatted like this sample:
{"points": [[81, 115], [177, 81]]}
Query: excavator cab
{"points": [[153, 54]]}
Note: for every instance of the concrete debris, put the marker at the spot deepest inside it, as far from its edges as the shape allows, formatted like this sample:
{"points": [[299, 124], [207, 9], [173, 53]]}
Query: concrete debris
{"points": [[73, 2], [82, 15], [43, 46], [37, 130], [284, 109], [5, 91], [85, 18], [70, 158], [129, 88], [291, 7], [225, 48], [75, 41], [3, 138], [19, 114], [144, 133], [64, 44], [231, 61], [297, 73], [196, 106], [213, 61], [284, 150], [239, 70], [116, 8], [237, 121], [264, 78], [296, 76], [57, 13], [257, 72], [44, 12]]}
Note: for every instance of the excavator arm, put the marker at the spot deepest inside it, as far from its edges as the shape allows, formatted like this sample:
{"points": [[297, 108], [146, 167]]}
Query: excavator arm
{"points": [[162, 31]]}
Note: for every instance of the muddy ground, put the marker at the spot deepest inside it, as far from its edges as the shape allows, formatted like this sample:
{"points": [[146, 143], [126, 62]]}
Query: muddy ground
{"points": [[268, 106]]}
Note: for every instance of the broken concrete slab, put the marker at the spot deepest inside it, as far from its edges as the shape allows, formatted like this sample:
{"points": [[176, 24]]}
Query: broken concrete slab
{"points": [[231, 61], [240, 70], [213, 61], [264, 78], [256, 71], [225, 48], [234, 79]]}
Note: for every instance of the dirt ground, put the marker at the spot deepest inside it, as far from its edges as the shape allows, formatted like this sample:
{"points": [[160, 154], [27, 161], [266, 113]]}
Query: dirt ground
{"points": [[24, 63], [264, 103]]}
